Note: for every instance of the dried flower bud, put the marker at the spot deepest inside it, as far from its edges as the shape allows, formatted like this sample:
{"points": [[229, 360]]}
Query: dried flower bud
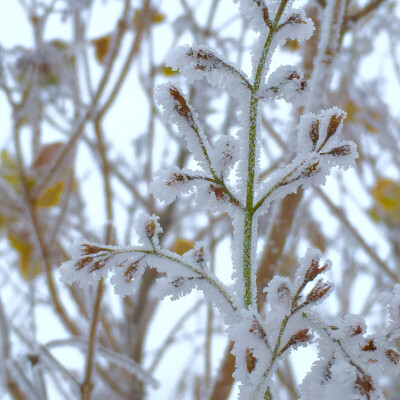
{"points": [[314, 270], [318, 291], [340, 151], [393, 356]]}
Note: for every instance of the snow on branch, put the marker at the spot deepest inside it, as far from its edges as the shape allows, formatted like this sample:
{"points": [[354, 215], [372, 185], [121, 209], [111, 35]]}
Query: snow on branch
{"points": [[178, 274], [199, 62]]}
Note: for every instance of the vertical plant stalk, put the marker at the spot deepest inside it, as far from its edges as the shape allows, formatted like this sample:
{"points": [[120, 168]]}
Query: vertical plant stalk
{"points": [[251, 164], [87, 385]]}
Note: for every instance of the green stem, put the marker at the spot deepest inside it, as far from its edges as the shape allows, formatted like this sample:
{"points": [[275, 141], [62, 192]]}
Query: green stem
{"points": [[249, 212]]}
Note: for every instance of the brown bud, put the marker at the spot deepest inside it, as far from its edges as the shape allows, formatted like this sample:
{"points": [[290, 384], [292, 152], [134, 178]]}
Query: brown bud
{"points": [[301, 336], [178, 281], [333, 125], [150, 229], [356, 330], [178, 178], [219, 192], [258, 329], [130, 271], [181, 106], [311, 170], [199, 255], [90, 249], [314, 133], [370, 346], [318, 291], [340, 151], [314, 270], [364, 385], [251, 361], [83, 262]]}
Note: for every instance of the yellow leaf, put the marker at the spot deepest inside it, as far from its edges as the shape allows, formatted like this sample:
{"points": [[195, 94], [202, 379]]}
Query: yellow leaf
{"points": [[25, 249], [387, 193], [101, 46], [157, 18], [51, 197], [351, 110], [168, 71], [292, 45], [182, 246], [7, 161]]}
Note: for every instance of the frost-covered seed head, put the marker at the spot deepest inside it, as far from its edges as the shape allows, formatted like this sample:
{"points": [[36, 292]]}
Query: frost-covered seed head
{"points": [[393, 356]]}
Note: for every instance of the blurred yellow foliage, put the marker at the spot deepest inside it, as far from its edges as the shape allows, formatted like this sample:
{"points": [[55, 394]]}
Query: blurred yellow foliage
{"points": [[25, 249], [182, 246], [168, 71], [51, 197], [386, 193]]}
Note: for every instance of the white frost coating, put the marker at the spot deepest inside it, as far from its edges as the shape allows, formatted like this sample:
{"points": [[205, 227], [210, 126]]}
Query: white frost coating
{"points": [[172, 182], [319, 149], [202, 62], [182, 114], [286, 83], [253, 13], [295, 26], [224, 155]]}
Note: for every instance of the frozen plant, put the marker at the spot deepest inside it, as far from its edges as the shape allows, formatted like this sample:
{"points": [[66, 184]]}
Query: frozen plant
{"points": [[226, 180]]}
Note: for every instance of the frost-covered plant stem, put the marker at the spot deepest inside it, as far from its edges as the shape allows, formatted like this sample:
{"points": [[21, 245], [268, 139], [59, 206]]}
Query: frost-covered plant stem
{"points": [[249, 213]]}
